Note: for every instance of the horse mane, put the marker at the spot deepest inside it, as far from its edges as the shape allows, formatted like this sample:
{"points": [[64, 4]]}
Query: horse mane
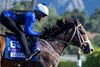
{"points": [[58, 27]]}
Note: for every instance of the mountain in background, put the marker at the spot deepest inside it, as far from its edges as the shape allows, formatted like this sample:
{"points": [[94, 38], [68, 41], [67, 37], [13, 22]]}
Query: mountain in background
{"points": [[69, 5], [62, 5]]}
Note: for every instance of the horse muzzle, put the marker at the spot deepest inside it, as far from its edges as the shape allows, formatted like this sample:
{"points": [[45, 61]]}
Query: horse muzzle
{"points": [[88, 49]]}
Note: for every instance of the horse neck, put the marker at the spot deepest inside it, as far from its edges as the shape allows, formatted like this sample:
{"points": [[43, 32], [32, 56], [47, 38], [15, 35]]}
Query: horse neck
{"points": [[54, 45], [57, 46]]}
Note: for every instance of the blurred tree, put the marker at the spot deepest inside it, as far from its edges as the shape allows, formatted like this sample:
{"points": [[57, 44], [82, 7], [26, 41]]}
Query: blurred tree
{"points": [[82, 16], [33, 4], [27, 5], [96, 40], [6, 4], [93, 60], [70, 50], [53, 16], [95, 21], [48, 21], [17, 6], [24, 5]]}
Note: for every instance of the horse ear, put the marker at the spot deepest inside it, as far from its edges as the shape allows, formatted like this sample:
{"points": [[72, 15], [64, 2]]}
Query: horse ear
{"points": [[76, 21]]}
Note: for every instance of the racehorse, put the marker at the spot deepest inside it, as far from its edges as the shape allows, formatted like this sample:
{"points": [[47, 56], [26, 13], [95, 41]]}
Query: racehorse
{"points": [[52, 43]]}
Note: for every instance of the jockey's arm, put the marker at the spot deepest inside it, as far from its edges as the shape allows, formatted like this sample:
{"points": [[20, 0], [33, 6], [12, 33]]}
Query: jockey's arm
{"points": [[29, 24]]}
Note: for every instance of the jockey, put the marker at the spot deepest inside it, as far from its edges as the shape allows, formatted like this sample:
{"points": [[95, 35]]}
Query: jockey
{"points": [[12, 19]]}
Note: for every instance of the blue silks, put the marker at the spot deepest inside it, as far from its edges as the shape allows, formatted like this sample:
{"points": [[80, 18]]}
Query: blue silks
{"points": [[13, 49]]}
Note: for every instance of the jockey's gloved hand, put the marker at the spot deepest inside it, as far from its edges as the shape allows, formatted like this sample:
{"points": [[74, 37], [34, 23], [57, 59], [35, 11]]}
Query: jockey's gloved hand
{"points": [[41, 35]]}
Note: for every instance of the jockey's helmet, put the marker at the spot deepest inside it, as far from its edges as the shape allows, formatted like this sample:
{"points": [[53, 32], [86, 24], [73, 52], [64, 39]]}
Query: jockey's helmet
{"points": [[42, 8]]}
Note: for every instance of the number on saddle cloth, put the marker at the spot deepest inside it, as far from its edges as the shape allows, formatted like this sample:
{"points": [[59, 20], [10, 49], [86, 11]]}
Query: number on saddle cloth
{"points": [[13, 49]]}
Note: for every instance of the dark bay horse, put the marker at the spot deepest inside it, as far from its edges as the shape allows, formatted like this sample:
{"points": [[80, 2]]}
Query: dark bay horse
{"points": [[52, 43]]}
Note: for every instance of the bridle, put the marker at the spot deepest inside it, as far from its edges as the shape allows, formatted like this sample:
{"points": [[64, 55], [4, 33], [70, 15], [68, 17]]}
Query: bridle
{"points": [[81, 39], [76, 30]]}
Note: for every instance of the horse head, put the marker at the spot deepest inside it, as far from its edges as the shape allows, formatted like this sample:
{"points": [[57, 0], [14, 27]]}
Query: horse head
{"points": [[76, 34], [80, 38], [68, 31]]}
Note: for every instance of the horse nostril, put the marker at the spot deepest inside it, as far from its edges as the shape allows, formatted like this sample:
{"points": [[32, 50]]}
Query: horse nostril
{"points": [[92, 50]]}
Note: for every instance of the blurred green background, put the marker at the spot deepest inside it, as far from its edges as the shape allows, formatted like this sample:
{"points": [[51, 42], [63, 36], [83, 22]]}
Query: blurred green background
{"points": [[91, 22]]}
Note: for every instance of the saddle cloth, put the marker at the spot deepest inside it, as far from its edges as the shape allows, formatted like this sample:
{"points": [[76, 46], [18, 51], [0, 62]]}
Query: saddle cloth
{"points": [[13, 49]]}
